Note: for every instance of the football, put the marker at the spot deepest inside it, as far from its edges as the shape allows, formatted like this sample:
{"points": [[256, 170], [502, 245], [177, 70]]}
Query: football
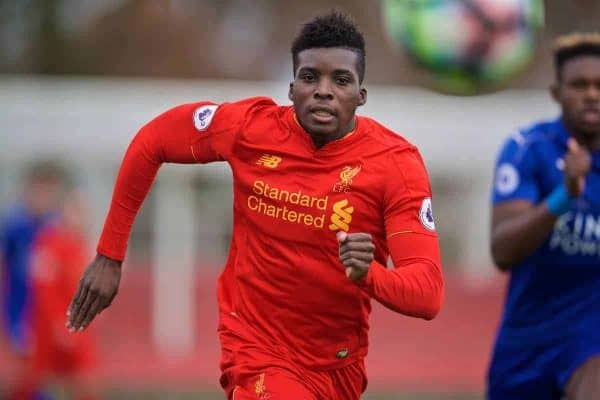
{"points": [[468, 46]]}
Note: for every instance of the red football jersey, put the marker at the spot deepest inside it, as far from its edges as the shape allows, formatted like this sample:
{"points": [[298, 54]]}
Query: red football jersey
{"points": [[59, 258], [284, 291]]}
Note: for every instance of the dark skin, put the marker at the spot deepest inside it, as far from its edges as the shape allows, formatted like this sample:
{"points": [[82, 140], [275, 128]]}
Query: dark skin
{"points": [[97, 289], [326, 92], [520, 227], [585, 382]]}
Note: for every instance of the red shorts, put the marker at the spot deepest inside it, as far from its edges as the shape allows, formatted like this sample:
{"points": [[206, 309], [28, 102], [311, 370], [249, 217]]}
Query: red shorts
{"points": [[278, 383], [250, 372]]}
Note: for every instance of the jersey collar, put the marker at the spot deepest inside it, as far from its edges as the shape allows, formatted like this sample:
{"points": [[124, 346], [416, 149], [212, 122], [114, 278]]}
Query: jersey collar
{"points": [[333, 147]]}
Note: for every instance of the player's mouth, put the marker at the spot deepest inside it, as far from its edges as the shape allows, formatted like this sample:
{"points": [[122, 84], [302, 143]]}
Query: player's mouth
{"points": [[322, 114], [591, 115]]}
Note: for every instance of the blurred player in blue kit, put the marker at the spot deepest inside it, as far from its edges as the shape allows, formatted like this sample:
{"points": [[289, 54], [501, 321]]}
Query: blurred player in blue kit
{"points": [[545, 232], [19, 226]]}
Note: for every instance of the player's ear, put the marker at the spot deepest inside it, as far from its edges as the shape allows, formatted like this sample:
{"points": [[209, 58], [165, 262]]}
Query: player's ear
{"points": [[291, 91], [362, 96], [555, 92]]}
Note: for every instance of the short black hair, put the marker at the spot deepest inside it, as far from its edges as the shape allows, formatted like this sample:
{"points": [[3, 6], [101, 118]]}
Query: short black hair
{"points": [[574, 45], [336, 29]]}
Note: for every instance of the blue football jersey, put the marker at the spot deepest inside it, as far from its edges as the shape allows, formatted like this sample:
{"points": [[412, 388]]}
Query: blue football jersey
{"points": [[18, 229], [554, 292]]}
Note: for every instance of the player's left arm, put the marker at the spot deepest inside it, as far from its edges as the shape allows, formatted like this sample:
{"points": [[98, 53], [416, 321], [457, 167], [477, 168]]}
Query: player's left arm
{"points": [[415, 287]]}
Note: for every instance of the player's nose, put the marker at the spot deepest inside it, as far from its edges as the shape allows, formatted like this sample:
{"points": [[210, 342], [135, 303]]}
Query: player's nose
{"points": [[592, 94], [323, 90]]}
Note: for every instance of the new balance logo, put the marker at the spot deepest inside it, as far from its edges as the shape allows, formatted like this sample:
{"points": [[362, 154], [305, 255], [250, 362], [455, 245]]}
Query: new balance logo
{"points": [[342, 216], [269, 161]]}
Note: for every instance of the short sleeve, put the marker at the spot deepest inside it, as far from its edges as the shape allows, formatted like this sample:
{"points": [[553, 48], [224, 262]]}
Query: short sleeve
{"points": [[514, 174], [407, 202]]}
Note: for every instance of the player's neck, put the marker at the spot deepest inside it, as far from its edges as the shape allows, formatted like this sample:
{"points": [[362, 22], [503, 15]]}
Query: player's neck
{"points": [[320, 141], [590, 141]]}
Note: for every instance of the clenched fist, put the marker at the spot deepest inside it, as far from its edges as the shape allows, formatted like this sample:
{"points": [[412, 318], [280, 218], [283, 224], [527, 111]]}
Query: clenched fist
{"points": [[577, 165], [356, 254]]}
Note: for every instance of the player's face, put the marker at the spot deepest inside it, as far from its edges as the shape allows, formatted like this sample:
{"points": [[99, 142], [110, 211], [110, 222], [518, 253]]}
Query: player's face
{"points": [[578, 92], [42, 196], [326, 92]]}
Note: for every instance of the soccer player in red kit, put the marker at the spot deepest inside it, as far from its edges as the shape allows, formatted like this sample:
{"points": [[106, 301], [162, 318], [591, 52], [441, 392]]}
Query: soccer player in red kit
{"points": [[322, 197], [59, 254]]}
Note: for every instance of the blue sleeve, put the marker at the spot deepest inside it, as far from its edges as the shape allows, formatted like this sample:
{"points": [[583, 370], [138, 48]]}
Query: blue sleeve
{"points": [[8, 236], [515, 172], [3, 238]]}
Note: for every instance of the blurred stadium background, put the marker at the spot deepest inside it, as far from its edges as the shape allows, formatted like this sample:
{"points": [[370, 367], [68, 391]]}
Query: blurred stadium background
{"points": [[79, 77]]}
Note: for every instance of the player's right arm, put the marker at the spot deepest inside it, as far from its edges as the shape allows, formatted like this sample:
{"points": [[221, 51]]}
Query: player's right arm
{"points": [[521, 221], [192, 133]]}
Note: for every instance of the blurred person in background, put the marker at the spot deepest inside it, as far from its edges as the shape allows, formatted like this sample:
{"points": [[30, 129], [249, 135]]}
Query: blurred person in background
{"points": [[20, 224], [546, 233], [59, 254], [322, 198]]}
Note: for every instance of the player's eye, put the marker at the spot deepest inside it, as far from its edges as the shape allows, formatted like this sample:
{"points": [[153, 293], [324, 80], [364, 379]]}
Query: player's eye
{"points": [[307, 77], [342, 80], [579, 84]]}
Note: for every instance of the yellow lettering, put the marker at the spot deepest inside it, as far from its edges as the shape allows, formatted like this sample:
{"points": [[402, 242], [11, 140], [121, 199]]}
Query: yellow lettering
{"points": [[252, 202], [322, 203], [273, 193], [320, 221], [265, 201], [308, 219], [295, 197], [258, 187], [305, 200], [284, 195], [292, 216], [262, 206]]}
